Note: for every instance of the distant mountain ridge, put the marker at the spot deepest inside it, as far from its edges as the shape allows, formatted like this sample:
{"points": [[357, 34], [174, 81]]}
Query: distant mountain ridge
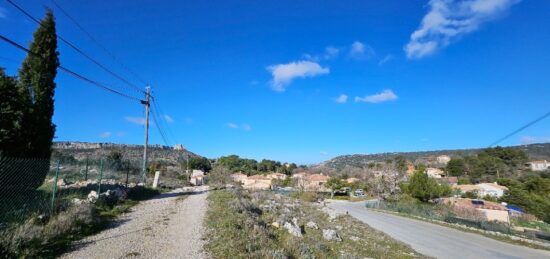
{"points": [[134, 153], [539, 151]]}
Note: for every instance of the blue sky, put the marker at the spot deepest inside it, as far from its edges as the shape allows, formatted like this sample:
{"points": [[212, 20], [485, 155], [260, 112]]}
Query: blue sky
{"points": [[303, 81]]}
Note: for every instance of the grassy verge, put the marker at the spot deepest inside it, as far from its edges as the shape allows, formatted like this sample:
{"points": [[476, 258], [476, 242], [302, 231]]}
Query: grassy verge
{"points": [[494, 235], [45, 237], [244, 224]]}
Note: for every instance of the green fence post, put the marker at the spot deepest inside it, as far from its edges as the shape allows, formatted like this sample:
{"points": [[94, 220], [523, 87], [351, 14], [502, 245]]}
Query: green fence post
{"points": [[100, 177], [86, 172], [127, 172], [55, 186]]}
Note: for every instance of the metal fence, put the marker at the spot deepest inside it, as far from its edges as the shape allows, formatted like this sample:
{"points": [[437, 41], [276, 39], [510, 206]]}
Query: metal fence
{"points": [[40, 187]]}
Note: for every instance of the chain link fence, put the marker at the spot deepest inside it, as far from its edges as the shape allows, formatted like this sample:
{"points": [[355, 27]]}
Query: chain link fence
{"points": [[25, 192]]}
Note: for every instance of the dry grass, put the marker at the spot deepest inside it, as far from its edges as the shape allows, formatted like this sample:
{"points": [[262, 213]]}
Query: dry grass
{"points": [[240, 226]]}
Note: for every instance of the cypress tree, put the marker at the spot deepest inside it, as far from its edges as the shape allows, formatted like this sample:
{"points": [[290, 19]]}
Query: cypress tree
{"points": [[37, 89]]}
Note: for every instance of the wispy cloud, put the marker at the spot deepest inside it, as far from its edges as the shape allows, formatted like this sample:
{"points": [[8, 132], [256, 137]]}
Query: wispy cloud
{"points": [[324, 153], [135, 120], [525, 140], [168, 118], [360, 50], [331, 52], [283, 74], [384, 96], [105, 134], [3, 13], [449, 20], [386, 59], [341, 99], [243, 126]]}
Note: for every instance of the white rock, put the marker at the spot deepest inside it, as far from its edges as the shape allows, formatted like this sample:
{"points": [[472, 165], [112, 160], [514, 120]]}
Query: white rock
{"points": [[293, 229], [331, 235], [312, 225], [92, 196]]}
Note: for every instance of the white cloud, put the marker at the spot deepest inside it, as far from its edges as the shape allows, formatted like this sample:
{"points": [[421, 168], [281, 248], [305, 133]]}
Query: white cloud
{"points": [[324, 153], [331, 52], [360, 50], [341, 99], [168, 118], [232, 125], [448, 20], [105, 134], [3, 13], [136, 120], [283, 74], [244, 126], [525, 140], [121, 134], [386, 59], [384, 96]]}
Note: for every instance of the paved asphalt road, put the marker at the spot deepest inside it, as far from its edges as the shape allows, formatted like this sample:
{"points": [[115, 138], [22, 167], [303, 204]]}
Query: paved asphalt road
{"points": [[435, 240]]}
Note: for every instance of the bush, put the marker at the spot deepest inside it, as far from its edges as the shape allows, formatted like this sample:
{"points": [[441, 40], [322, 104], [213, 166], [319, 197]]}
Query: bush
{"points": [[306, 196], [422, 187]]}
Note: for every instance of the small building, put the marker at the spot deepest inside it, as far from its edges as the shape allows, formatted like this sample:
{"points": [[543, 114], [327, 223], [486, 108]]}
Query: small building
{"points": [[483, 189], [435, 172], [197, 178], [257, 182], [410, 168], [239, 177], [444, 159], [491, 189], [277, 176], [486, 210], [539, 165], [316, 182], [301, 175]]}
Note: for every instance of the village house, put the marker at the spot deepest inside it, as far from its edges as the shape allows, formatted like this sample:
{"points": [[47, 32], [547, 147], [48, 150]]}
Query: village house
{"points": [[257, 182], [239, 177], [277, 176], [539, 165], [482, 210], [483, 189], [299, 175], [316, 182], [435, 172], [444, 159], [410, 168], [197, 178]]}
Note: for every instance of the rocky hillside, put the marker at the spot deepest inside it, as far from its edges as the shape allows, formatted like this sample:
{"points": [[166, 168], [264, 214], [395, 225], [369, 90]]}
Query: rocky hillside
{"points": [[534, 151], [134, 153]]}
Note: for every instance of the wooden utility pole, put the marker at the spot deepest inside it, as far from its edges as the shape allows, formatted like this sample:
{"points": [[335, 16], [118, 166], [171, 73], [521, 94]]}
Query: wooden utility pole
{"points": [[147, 104]]}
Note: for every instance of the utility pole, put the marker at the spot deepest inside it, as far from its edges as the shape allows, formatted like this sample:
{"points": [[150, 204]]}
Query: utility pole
{"points": [[147, 104]]}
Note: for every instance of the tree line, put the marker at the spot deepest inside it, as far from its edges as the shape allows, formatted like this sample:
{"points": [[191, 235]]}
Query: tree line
{"points": [[27, 107]]}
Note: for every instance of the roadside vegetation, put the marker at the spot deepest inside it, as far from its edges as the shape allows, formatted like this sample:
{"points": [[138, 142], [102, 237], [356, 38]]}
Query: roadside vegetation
{"points": [[47, 235], [247, 224]]}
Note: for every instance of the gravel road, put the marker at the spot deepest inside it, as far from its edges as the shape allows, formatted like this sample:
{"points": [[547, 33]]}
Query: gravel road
{"points": [[167, 226], [435, 240]]}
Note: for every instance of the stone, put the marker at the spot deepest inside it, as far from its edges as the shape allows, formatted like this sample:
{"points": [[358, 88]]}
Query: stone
{"points": [[331, 235], [93, 196], [77, 201], [293, 229], [276, 224], [156, 179], [354, 238], [312, 225]]}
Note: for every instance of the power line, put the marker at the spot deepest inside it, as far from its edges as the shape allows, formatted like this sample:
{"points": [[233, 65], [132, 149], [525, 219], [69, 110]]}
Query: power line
{"points": [[72, 73], [159, 128], [78, 50], [521, 128], [164, 120], [97, 43]]}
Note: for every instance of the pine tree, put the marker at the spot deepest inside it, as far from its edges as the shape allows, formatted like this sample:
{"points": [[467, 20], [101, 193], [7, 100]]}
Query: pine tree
{"points": [[11, 114]]}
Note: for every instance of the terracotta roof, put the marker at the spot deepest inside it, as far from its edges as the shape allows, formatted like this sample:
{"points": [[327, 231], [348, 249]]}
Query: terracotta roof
{"points": [[318, 177], [258, 177], [537, 162], [238, 174]]}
